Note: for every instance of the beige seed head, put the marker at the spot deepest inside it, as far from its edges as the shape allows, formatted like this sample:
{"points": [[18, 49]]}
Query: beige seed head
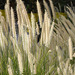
{"points": [[70, 47], [39, 13], [9, 67], [52, 7], [20, 62], [33, 24], [13, 23]]}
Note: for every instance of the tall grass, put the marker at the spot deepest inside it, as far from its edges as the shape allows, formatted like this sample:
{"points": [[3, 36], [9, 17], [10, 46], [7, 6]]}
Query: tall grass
{"points": [[54, 54]]}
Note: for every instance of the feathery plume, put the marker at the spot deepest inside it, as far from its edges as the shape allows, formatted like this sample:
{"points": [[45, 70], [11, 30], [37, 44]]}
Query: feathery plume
{"points": [[20, 62], [19, 19], [39, 13], [32, 62], [52, 7], [3, 40], [13, 23], [51, 32], [33, 24], [47, 9], [8, 14], [70, 48], [60, 58], [9, 67]]}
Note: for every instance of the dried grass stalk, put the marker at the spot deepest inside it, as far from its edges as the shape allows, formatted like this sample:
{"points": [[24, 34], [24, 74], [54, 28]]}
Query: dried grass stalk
{"points": [[33, 24], [26, 19], [8, 14], [18, 54], [52, 7], [71, 15], [70, 32], [3, 40], [19, 19], [32, 62], [46, 29], [20, 62], [25, 14], [13, 23], [3, 24], [51, 32], [39, 13], [47, 8], [60, 57], [10, 71], [70, 48]]}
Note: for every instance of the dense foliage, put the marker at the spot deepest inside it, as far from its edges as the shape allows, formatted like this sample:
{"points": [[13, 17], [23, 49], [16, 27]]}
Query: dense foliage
{"points": [[21, 54]]}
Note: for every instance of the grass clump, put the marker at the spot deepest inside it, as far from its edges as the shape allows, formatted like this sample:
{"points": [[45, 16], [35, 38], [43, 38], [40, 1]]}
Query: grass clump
{"points": [[54, 54]]}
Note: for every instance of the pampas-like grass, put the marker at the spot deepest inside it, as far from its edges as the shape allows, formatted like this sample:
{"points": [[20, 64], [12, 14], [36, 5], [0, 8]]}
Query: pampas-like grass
{"points": [[19, 19], [47, 32], [20, 62], [71, 25], [24, 13], [51, 32], [64, 67], [67, 27], [46, 29], [68, 23], [3, 40], [70, 48], [33, 24], [25, 41], [13, 24], [15, 45], [31, 57], [32, 62], [52, 7], [18, 54], [71, 15], [39, 13], [26, 47], [10, 71], [8, 14], [59, 56], [4, 25], [39, 62], [47, 8]]}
